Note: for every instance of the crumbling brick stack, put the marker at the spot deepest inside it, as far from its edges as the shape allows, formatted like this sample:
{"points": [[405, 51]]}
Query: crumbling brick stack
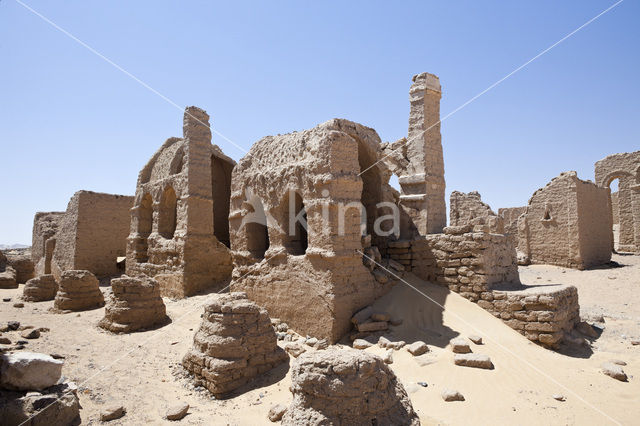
{"points": [[7, 274], [346, 387], [40, 289], [400, 251], [542, 315], [78, 291], [234, 344], [468, 209], [134, 304]]}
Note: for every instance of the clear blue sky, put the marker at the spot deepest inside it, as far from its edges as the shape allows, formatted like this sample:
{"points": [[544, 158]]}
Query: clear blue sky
{"points": [[71, 121]]}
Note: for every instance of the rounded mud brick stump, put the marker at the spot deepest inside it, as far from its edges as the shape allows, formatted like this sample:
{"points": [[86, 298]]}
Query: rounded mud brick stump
{"points": [[234, 344], [134, 304], [78, 291], [348, 387], [40, 289]]}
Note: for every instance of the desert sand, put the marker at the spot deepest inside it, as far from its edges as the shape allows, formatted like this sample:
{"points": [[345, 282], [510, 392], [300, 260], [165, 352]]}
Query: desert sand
{"points": [[142, 371]]}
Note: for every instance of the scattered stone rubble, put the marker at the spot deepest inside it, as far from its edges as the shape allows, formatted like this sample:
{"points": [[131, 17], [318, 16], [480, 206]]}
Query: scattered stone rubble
{"points": [[346, 387], [40, 289], [78, 291], [133, 304], [31, 392], [234, 344]]}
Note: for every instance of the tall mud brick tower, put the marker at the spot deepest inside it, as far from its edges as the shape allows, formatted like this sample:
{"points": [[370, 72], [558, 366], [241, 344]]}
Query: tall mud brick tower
{"points": [[423, 181]]}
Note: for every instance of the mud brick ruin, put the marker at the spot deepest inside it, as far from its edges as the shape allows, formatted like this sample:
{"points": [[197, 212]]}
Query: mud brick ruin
{"points": [[45, 227], [468, 209], [235, 343], [320, 269], [346, 387], [418, 160], [199, 222], [626, 204], [90, 235], [7, 273], [544, 315], [510, 217], [40, 289], [78, 291], [133, 304], [567, 223], [179, 231]]}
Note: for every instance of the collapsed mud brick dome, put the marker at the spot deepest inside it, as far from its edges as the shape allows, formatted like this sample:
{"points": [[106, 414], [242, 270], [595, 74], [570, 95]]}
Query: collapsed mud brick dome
{"points": [[346, 387], [567, 223], [234, 344], [134, 304], [625, 167], [179, 230]]}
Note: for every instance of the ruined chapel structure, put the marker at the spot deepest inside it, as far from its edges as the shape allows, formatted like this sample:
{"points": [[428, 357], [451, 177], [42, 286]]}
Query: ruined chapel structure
{"points": [[625, 206], [567, 223], [179, 231]]}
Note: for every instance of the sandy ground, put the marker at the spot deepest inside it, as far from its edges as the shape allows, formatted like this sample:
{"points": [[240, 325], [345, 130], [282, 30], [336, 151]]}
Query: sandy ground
{"points": [[142, 371]]}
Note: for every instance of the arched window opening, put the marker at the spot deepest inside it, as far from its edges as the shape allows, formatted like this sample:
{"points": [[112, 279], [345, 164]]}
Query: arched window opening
{"points": [[256, 228], [145, 224], [221, 196], [178, 162], [614, 185], [296, 239], [167, 213]]}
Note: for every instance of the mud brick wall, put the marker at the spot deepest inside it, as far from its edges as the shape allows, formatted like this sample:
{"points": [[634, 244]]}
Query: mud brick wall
{"points": [[541, 315], [467, 262], [482, 267]]}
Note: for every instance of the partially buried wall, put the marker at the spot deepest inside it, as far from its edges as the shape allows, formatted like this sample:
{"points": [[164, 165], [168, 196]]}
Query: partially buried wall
{"points": [[481, 267], [567, 223], [179, 230], [92, 234]]}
